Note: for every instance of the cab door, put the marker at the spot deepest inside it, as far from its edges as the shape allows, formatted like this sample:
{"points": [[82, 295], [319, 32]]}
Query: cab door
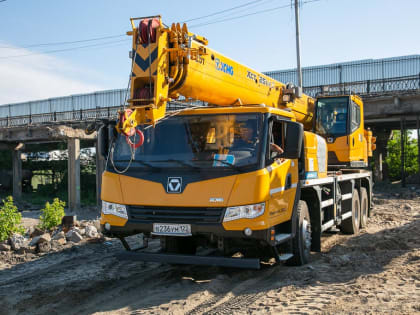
{"points": [[283, 174], [357, 140]]}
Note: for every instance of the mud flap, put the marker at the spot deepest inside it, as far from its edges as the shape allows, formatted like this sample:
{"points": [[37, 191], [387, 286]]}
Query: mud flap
{"points": [[244, 263]]}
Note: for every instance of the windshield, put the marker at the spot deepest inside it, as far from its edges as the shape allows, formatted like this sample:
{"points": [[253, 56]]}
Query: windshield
{"points": [[224, 141], [331, 116]]}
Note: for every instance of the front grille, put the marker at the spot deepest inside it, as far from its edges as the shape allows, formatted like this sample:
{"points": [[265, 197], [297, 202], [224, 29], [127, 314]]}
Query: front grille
{"points": [[175, 214]]}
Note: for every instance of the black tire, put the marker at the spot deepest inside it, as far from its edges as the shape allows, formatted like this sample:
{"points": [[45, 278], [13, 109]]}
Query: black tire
{"points": [[179, 245], [351, 225], [363, 207], [302, 241]]}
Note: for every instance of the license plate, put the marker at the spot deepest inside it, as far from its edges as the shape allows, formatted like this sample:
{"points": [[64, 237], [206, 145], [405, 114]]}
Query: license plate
{"points": [[171, 229]]}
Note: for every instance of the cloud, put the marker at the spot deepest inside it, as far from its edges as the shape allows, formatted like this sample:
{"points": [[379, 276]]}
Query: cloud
{"points": [[40, 76]]}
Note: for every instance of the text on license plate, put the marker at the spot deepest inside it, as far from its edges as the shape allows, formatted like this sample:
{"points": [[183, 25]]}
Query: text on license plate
{"points": [[171, 229]]}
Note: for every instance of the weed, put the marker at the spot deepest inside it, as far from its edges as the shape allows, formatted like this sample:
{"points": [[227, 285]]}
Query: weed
{"points": [[52, 214], [10, 219]]}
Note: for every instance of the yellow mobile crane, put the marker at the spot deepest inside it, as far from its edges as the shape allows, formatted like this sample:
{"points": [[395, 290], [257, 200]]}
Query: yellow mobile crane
{"points": [[246, 173]]}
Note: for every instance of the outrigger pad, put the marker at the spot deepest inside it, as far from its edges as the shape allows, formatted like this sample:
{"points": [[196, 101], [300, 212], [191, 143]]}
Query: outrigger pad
{"points": [[244, 263]]}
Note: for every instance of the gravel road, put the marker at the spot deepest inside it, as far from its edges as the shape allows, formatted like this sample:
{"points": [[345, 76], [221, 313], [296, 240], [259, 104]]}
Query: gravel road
{"points": [[377, 271]]}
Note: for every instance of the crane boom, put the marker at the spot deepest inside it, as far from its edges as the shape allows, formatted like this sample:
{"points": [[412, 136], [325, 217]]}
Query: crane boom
{"points": [[171, 61]]}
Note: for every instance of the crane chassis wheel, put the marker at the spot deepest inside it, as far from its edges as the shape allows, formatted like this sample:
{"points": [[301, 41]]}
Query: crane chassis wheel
{"points": [[351, 225], [301, 243]]}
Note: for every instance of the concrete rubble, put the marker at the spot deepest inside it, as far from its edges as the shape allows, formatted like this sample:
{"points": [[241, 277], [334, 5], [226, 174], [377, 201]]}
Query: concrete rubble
{"points": [[18, 241], [41, 241], [5, 247], [35, 231], [74, 236], [91, 231], [59, 235]]}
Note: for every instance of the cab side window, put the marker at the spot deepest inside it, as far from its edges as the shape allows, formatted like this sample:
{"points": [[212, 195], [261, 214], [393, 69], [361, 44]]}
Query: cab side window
{"points": [[276, 139], [355, 117]]}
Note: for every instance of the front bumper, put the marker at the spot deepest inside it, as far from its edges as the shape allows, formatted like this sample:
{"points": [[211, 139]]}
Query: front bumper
{"points": [[215, 230], [204, 221]]}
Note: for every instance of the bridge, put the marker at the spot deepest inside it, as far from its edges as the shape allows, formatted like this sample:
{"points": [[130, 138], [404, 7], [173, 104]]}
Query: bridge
{"points": [[389, 87]]}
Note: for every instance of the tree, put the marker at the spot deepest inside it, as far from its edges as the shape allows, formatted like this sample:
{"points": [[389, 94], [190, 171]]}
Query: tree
{"points": [[393, 158]]}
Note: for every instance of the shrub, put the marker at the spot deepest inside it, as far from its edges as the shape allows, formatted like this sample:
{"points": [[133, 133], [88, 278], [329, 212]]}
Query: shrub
{"points": [[393, 158], [52, 214], [10, 219]]}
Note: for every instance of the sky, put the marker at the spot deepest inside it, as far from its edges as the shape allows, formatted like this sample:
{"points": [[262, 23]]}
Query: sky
{"points": [[331, 31]]}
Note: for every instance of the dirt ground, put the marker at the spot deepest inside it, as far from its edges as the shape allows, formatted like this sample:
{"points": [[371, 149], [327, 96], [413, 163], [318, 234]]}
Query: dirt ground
{"points": [[377, 271]]}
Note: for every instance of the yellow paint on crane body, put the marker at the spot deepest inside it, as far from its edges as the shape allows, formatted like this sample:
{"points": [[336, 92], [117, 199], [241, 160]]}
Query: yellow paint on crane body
{"points": [[180, 63]]}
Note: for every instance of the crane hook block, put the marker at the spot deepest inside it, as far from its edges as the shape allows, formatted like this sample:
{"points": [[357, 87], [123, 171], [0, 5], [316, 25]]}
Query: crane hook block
{"points": [[125, 124], [138, 143]]}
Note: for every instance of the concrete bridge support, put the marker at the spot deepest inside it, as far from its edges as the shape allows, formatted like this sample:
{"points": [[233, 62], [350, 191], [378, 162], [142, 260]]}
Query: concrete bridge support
{"points": [[17, 173], [403, 142], [381, 169], [418, 140], [73, 146]]}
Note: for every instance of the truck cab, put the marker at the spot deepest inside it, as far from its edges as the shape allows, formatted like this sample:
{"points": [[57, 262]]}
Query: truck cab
{"points": [[339, 120], [209, 177]]}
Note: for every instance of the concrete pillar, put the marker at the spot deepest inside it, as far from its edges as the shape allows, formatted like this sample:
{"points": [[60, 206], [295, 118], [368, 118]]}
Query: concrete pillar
{"points": [[418, 142], [73, 146], [100, 167], [382, 137], [402, 139], [380, 166], [17, 173]]}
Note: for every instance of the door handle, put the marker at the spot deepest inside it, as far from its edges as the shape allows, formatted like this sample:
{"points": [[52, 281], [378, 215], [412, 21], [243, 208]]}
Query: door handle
{"points": [[288, 182]]}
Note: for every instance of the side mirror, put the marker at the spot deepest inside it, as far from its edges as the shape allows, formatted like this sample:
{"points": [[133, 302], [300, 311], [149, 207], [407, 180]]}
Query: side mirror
{"points": [[103, 143], [293, 140]]}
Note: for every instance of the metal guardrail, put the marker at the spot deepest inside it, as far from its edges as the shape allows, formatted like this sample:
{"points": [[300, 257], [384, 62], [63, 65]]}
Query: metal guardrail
{"points": [[369, 88], [69, 117], [60, 117]]}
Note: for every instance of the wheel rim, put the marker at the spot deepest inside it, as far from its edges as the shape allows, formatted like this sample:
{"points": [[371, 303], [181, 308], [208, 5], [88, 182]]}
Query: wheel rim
{"points": [[306, 235], [364, 211], [356, 212]]}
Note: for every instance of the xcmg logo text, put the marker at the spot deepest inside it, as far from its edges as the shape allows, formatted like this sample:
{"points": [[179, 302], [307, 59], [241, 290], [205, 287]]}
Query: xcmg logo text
{"points": [[224, 67]]}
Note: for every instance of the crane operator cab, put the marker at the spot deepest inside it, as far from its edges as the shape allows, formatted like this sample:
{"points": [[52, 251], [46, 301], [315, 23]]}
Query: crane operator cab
{"points": [[339, 119]]}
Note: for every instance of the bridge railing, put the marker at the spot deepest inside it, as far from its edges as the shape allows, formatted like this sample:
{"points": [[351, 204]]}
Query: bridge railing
{"points": [[74, 116], [60, 117], [369, 87]]}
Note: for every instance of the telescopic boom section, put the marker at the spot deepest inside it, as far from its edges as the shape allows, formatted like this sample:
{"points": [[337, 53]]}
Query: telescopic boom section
{"points": [[169, 62]]}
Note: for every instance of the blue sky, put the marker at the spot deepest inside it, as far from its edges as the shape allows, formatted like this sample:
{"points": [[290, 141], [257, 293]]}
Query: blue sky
{"points": [[332, 31]]}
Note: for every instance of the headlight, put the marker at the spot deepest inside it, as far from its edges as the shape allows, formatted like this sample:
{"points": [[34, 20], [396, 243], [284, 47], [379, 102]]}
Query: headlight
{"points": [[248, 211], [115, 209]]}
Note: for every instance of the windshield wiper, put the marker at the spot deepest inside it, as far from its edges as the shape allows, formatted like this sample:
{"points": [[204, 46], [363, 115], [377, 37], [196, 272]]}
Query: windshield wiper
{"points": [[138, 161], [180, 162]]}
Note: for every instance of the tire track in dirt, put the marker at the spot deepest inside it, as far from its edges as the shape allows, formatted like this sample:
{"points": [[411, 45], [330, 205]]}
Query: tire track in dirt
{"points": [[66, 264], [373, 272], [227, 302]]}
